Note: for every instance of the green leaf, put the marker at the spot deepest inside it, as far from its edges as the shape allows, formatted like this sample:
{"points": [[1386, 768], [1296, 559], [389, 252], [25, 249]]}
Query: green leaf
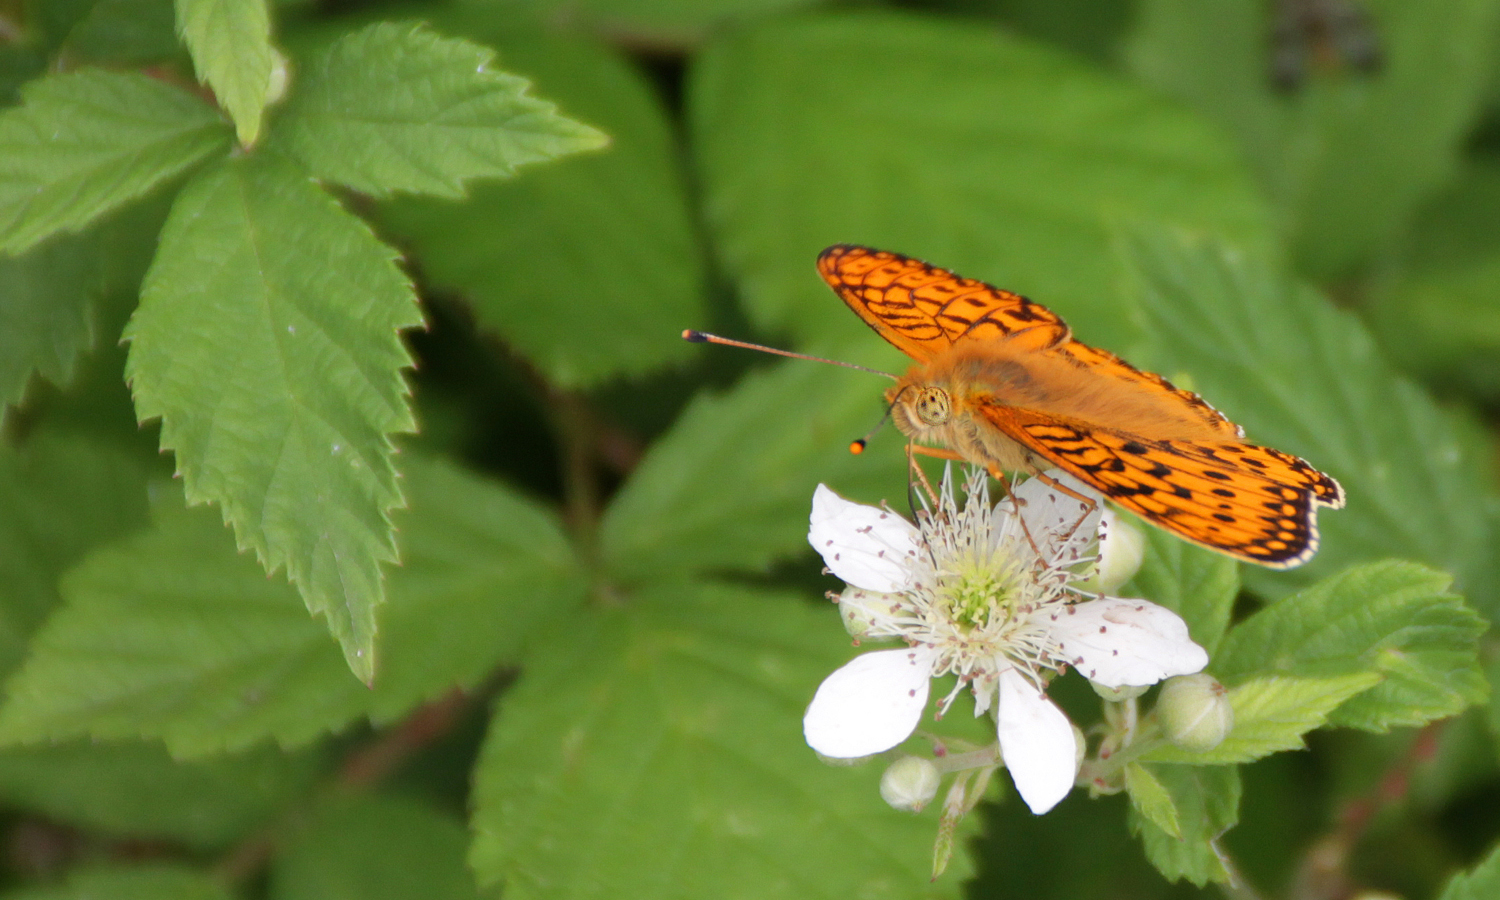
{"points": [[659, 23], [1083, 27], [1479, 883], [1305, 377], [124, 32], [657, 752], [231, 45], [152, 881], [137, 791], [95, 400], [394, 107], [778, 433], [85, 142], [1207, 800], [1394, 618], [515, 248], [1492, 708], [59, 497], [1438, 316], [1347, 156], [482, 569], [1271, 714], [976, 150], [268, 343], [46, 25], [173, 636], [375, 848], [1150, 798], [19, 64], [46, 312], [1197, 584]]}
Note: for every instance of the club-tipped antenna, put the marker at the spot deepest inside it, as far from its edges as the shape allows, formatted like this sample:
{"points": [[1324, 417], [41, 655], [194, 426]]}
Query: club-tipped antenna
{"points": [[703, 337], [858, 447]]}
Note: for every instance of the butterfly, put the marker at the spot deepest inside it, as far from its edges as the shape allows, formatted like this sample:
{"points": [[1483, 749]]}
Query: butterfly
{"points": [[1000, 381]]}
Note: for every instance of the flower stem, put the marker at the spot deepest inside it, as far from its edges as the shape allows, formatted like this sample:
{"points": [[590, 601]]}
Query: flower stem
{"points": [[974, 759], [581, 502]]}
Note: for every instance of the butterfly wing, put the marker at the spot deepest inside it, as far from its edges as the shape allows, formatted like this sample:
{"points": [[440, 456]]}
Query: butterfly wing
{"points": [[1253, 503], [1103, 364], [922, 309]]}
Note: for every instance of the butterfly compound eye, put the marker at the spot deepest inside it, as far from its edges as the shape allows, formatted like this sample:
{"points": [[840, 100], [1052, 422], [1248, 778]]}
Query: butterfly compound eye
{"points": [[933, 406]]}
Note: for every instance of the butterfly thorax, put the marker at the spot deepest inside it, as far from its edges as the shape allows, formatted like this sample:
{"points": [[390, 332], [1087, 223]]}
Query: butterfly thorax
{"points": [[941, 402]]}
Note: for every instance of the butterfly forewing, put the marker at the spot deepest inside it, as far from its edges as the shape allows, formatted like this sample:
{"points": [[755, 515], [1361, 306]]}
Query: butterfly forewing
{"points": [[924, 310], [1103, 364]]}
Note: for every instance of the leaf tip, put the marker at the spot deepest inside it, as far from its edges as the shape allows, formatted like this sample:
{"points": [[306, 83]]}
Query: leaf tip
{"points": [[361, 661]]}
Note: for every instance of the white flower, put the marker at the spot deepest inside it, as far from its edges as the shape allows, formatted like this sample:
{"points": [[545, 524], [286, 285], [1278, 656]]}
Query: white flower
{"points": [[1122, 547], [976, 593]]}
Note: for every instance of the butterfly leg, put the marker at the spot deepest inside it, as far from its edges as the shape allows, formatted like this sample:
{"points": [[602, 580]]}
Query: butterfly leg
{"points": [[1089, 503], [1010, 491], [995, 472], [911, 460], [934, 452]]}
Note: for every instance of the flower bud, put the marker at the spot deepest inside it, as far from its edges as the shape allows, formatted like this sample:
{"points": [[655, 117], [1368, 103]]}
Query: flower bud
{"points": [[910, 783], [1121, 693], [1121, 548], [865, 613], [1194, 712], [276, 83]]}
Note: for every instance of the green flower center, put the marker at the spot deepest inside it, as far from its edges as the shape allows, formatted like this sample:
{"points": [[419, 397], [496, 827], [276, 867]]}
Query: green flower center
{"points": [[978, 595]]}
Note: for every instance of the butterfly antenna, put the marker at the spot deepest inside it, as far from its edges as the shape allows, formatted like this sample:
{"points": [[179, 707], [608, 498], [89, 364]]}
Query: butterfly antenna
{"points": [[703, 337], [858, 447]]}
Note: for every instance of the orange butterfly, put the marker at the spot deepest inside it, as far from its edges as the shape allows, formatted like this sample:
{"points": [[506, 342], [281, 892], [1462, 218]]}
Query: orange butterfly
{"points": [[1000, 381]]}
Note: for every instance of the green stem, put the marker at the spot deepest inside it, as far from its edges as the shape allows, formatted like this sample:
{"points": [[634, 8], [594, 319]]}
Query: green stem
{"points": [[974, 759], [1141, 738], [364, 769], [573, 423]]}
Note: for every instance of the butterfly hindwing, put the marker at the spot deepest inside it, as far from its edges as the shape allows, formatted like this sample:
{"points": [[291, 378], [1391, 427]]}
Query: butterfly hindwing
{"points": [[1251, 502], [923, 310]]}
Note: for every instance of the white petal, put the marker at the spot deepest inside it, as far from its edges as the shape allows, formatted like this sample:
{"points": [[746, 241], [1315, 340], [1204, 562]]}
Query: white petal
{"points": [[866, 546], [1125, 642], [983, 687], [1036, 742], [871, 704], [1061, 525]]}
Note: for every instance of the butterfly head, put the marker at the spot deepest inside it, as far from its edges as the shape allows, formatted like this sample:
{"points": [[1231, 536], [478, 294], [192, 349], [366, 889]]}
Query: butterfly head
{"points": [[940, 412], [921, 411]]}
